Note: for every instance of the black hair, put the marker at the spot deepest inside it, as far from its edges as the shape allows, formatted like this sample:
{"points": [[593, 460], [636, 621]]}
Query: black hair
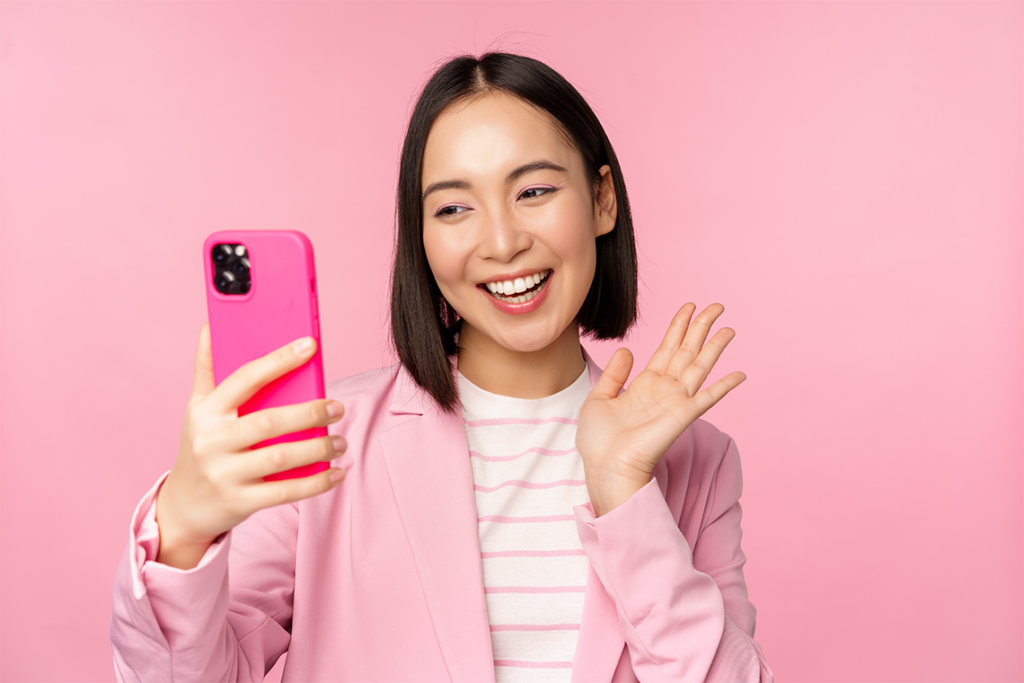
{"points": [[423, 323]]}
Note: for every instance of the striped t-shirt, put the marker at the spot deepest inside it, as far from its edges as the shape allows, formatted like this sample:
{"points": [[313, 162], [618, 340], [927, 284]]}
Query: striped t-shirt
{"points": [[527, 476]]}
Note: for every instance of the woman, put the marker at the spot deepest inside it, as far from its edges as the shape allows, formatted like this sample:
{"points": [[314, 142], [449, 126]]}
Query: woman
{"points": [[506, 512]]}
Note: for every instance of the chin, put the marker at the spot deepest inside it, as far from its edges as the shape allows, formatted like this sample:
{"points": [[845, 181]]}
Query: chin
{"points": [[530, 342], [521, 347]]}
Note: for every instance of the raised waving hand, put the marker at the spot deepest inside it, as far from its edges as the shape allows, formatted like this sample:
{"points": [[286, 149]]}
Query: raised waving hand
{"points": [[622, 436]]}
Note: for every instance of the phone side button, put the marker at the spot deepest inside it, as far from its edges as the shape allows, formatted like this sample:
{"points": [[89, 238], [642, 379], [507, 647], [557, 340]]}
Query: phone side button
{"points": [[316, 309]]}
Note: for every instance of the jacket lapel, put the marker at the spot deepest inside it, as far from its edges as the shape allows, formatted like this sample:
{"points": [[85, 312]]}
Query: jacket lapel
{"points": [[601, 639], [427, 460]]}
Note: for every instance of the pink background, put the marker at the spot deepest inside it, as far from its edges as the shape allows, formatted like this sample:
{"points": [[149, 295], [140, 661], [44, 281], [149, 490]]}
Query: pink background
{"points": [[845, 176]]}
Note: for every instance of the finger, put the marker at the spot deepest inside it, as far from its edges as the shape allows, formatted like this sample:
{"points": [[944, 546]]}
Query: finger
{"points": [[272, 422], [693, 375], [717, 391], [244, 382], [202, 380], [614, 377], [693, 342], [270, 493], [673, 337], [252, 466]]}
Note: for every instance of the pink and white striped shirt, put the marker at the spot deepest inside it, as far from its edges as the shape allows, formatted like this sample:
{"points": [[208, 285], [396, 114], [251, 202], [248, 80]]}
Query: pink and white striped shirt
{"points": [[527, 477]]}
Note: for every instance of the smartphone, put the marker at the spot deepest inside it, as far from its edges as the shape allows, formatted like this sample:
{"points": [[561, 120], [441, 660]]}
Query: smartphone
{"points": [[261, 295]]}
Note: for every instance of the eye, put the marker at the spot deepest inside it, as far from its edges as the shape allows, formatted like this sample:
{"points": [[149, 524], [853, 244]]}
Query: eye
{"points": [[450, 210], [533, 192]]}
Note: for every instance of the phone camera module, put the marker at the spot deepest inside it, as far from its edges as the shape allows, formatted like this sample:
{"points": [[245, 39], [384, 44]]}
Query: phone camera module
{"points": [[232, 275]]}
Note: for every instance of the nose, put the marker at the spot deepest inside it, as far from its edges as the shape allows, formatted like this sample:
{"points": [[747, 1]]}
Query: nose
{"points": [[503, 239]]}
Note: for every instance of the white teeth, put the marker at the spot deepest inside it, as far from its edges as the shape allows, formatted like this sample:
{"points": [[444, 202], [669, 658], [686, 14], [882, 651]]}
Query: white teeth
{"points": [[505, 290]]}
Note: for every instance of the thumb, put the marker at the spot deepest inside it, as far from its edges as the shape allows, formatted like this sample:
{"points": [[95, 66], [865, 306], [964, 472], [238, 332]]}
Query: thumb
{"points": [[615, 375], [202, 381]]}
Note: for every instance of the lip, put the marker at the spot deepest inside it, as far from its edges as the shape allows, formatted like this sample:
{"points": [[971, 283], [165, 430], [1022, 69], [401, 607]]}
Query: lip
{"points": [[523, 308], [513, 275]]}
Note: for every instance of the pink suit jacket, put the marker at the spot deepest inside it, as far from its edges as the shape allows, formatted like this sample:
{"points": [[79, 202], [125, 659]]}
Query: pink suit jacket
{"points": [[380, 579]]}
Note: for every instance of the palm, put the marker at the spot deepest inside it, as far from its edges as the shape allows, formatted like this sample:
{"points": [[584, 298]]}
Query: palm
{"points": [[630, 431]]}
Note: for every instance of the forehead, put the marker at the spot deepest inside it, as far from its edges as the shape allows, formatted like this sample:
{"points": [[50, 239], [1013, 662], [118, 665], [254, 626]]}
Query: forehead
{"points": [[492, 133]]}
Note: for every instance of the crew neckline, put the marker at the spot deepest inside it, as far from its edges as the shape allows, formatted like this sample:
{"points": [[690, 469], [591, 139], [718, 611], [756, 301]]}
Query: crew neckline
{"points": [[479, 403]]}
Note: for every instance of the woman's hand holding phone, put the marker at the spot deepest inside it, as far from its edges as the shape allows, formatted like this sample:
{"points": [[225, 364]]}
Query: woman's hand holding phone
{"points": [[217, 481]]}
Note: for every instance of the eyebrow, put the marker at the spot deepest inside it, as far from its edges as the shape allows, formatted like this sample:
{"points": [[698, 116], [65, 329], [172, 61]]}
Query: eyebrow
{"points": [[513, 175]]}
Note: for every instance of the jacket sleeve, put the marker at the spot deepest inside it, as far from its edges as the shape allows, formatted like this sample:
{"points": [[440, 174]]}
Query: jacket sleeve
{"points": [[684, 610], [170, 624]]}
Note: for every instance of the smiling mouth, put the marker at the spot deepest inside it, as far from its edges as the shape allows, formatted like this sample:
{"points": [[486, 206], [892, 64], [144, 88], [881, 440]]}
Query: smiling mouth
{"points": [[520, 290]]}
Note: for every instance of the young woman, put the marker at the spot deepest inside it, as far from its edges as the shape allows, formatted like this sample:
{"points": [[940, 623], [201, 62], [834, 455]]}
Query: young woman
{"points": [[497, 507]]}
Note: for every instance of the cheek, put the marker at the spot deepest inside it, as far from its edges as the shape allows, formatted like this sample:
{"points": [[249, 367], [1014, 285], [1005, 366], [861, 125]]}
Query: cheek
{"points": [[587, 267], [571, 235], [442, 257]]}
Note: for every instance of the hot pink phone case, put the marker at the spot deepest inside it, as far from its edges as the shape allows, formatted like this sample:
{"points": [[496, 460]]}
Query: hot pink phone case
{"points": [[279, 308]]}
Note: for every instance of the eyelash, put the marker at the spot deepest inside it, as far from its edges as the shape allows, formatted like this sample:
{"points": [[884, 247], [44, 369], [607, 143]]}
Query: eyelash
{"points": [[444, 212], [543, 188]]}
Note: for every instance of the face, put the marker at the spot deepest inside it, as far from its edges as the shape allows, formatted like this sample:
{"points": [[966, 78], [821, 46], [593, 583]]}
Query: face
{"points": [[510, 221]]}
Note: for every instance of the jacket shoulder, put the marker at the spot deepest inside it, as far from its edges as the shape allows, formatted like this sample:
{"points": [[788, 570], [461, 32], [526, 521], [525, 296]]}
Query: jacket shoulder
{"points": [[702, 445], [376, 382], [699, 476], [703, 465], [368, 396]]}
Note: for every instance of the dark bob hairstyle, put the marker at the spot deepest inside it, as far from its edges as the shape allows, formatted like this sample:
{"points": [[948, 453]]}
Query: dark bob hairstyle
{"points": [[423, 324]]}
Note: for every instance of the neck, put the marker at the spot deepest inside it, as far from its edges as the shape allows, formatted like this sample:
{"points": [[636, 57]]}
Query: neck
{"points": [[521, 374]]}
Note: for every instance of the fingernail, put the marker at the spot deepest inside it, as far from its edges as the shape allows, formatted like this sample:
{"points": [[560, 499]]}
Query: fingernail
{"points": [[335, 410], [303, 346], [339, 444], [337, 475]]}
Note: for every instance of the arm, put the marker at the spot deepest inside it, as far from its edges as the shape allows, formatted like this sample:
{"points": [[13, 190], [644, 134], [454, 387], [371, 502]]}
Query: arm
{"points": [[684, 613], [176, 616], [171, 624], [677, 580]]}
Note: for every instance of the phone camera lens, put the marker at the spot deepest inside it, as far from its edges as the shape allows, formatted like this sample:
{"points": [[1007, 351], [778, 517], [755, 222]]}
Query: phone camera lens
{"points": [[221, 253], [224, 281], [240, 269]]}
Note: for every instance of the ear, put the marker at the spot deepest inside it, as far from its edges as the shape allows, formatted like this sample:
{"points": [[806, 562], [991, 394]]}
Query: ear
{"points": [[605, 206]]}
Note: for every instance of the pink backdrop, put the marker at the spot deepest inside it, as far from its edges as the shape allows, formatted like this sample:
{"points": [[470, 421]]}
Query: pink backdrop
{"points": [[845, 176]]}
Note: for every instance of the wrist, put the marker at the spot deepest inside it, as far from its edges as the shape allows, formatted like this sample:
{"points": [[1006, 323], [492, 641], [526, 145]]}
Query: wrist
{"points": [[177, 551], [174, 548], [610, 489], [181, 556]]}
